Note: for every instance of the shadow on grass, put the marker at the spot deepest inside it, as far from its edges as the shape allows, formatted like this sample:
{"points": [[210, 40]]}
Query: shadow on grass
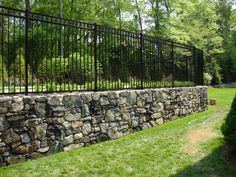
{"points": [[212, 165]]}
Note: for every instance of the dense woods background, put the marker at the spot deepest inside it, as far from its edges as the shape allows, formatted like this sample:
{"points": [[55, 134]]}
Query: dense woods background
{"points": [[207, 24]]}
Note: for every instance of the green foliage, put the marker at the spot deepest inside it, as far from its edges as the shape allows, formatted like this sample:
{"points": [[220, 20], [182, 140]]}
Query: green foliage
{"points": [[50, 87], [207, 79], [229, 127], [76, 68]]}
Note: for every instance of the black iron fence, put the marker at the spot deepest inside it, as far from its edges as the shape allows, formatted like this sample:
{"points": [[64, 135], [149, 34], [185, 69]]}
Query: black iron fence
{"points": [[41, 53]]}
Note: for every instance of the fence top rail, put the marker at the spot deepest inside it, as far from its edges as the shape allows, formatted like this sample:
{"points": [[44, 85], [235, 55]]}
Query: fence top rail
{"points": [[90, 26]]}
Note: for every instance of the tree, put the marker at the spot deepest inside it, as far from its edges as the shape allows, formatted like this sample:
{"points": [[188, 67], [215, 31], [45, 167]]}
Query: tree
{"points": [[229, 127], [188, 24]]}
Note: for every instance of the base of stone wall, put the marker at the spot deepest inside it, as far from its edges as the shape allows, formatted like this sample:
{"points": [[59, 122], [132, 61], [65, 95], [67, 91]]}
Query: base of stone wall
{"points": [[35, 126]]}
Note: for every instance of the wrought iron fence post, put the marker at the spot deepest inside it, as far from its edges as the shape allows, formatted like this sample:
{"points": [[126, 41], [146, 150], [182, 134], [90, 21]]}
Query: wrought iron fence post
{"points": [[195, 66], [172, 62], [199, 67], [201, 81], [95, 58], [26, 50], [141, 59]]}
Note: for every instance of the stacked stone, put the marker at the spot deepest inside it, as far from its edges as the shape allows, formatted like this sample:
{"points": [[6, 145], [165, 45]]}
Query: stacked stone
{"points": [[34, 126]]}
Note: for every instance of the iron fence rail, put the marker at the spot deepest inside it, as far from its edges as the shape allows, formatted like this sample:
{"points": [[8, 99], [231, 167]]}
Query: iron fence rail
{"points": [[43, 53]]}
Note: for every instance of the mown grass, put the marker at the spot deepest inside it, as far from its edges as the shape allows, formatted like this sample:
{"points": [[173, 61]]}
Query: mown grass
{"points": [[154, 152]]}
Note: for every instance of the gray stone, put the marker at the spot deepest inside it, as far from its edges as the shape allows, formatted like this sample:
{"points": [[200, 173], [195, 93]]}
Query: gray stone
{"points": [[86, 128], [146, 95], [95, 96], [156, 115], [3, 124], [124, 94], [43, 150], [5, 99], [58, 111], [40, 132], [104, 101], [29, 100], [55, 120], [96, 129], [15, 118], [78, 101], [146, 125], [113, 95], [86, 118], [2, 144], [27, 107], [109, 117], [134, 123], [56, 147], [22, 149], [85, 110], [164, 96], [85, 139], [76, 124], [73, 146], [73, 117], [17, 106], [140, 103], [54, 100], [25, 138], [113, 133], [141, 110], [158, 107], [173, 95], [160, 121], [114, 103], [104, 127], [177, 112], [132, 99], [41, 99], [126, 116], [68, 140], [9, 136], [86, 98], [40, 109], [78, 136], [68, 101], [157, 95], [15, 159], [5, 103]]}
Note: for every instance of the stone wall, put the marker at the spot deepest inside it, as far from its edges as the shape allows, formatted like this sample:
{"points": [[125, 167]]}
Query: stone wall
{"points": [[38, 125]]}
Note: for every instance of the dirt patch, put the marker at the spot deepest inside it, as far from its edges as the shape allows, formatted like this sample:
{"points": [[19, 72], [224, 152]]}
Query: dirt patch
{"points": [[195, 137]]}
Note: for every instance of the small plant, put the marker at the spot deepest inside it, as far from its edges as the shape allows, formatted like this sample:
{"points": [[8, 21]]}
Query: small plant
{"points": [[50, 87], [229, 127], [207, 79]]}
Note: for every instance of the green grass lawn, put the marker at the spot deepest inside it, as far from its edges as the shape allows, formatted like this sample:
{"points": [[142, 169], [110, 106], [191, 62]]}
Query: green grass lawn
{"points": [[189, 147]]}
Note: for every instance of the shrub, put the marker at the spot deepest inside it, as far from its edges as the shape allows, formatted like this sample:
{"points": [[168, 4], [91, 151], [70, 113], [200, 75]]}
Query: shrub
{"points": [[76, 69], [207, 79], [50, 87], [229, 127]]}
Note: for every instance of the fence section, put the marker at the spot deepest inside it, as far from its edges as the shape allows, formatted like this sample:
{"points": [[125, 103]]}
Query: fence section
{"points": [[41, 53]]}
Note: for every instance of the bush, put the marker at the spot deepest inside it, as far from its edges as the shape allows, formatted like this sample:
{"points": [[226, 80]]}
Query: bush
{"points": [[207, 79], [76, 69], [229, 127]]}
